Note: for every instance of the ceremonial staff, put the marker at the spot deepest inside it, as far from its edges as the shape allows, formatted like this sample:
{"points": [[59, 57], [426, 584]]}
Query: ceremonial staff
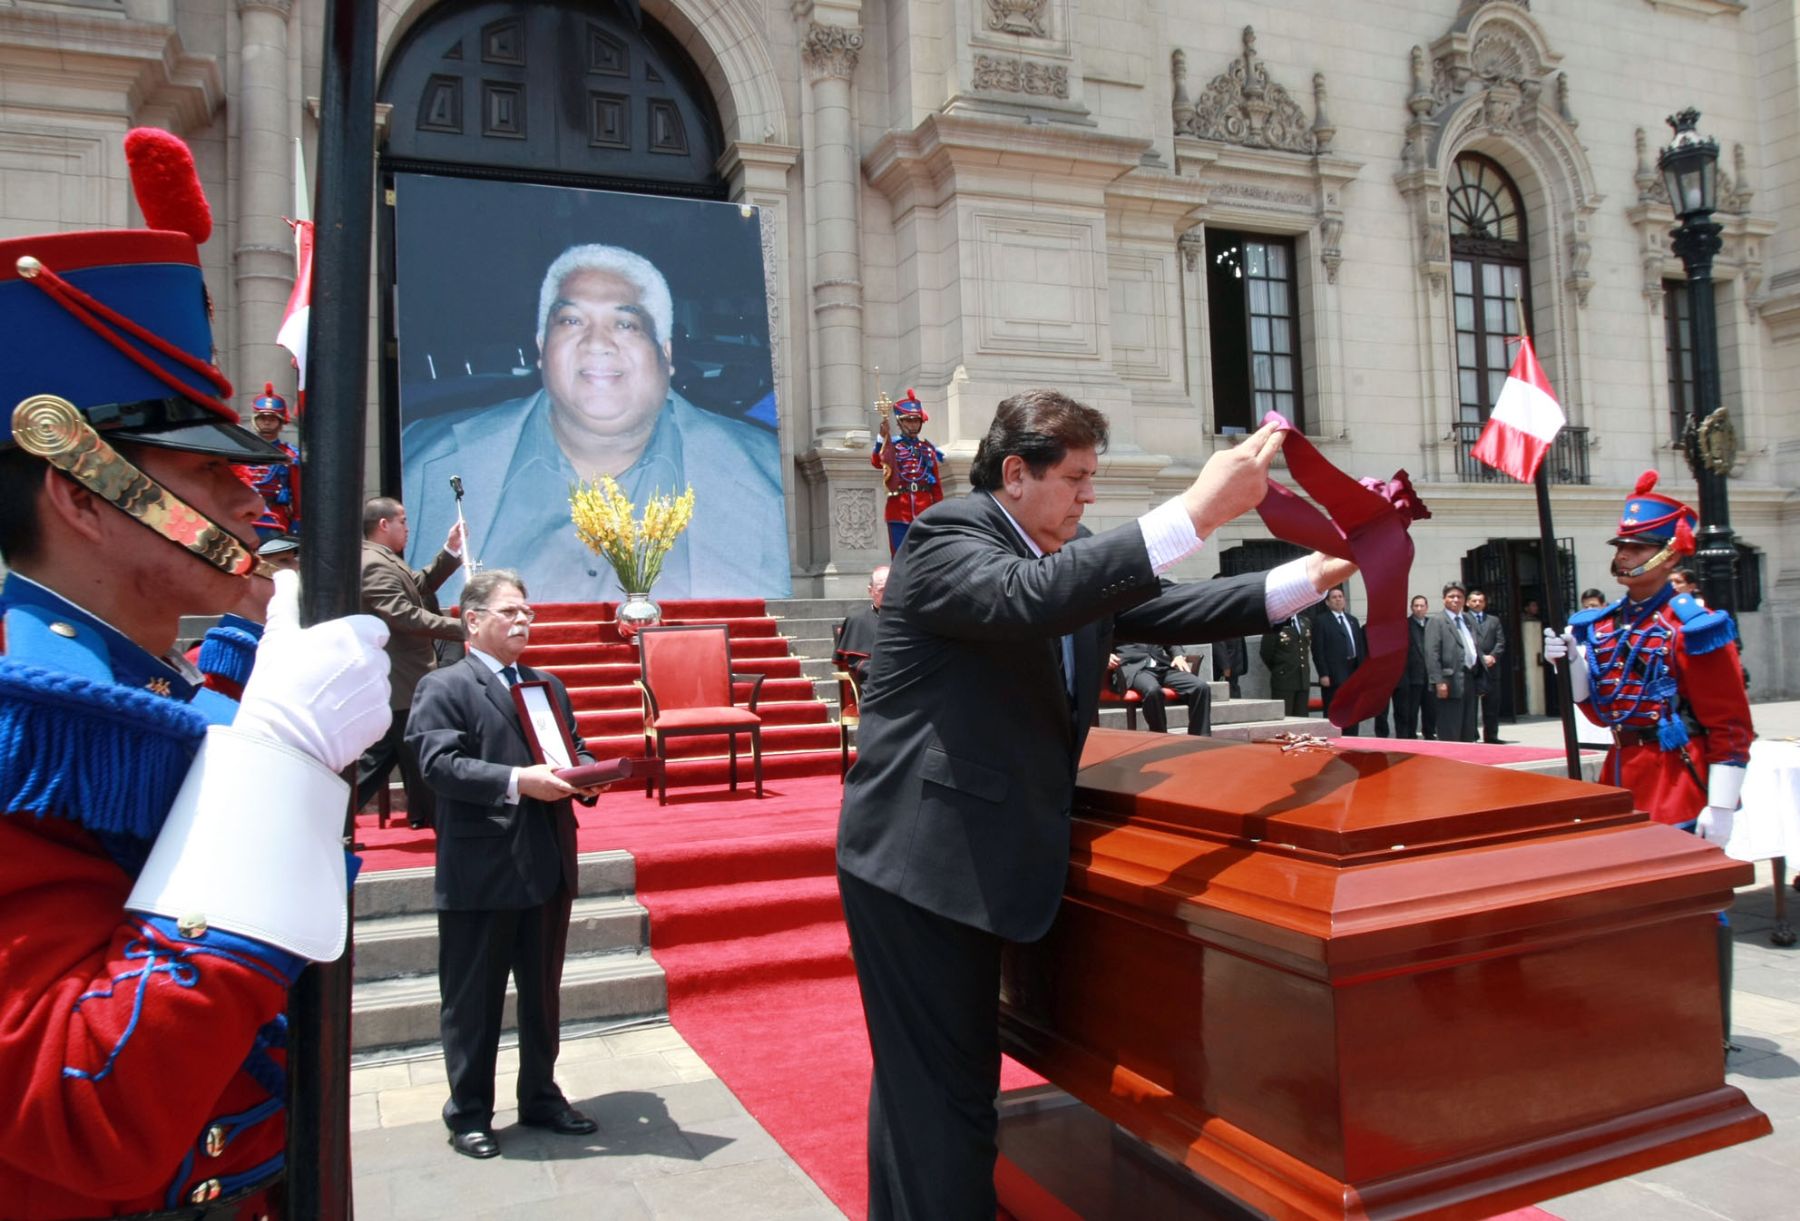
{"points": [[331, 434]]}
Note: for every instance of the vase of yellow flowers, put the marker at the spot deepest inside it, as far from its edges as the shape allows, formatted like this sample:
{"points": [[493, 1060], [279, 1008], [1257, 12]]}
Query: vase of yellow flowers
{"points": [[633, 547]]}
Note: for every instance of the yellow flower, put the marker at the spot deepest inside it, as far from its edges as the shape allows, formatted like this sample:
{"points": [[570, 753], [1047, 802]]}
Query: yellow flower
{"points": [[634, 548]]}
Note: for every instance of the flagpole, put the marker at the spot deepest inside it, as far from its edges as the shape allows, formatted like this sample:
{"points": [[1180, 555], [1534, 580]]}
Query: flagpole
{"points": [[1551, 563]]}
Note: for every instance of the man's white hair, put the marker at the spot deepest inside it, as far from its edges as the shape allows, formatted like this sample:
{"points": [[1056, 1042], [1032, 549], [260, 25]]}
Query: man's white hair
{"points": [[640, 272]]}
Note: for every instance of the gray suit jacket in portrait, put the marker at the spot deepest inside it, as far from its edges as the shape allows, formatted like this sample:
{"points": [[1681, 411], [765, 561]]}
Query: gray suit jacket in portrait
{"points": [[736, 545], [490, 855], [1444, 657], [959, 801]]}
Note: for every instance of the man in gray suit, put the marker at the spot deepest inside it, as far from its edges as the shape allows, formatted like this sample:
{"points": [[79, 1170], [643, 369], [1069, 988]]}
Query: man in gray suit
{"points": [[998, 618], [1454, 666], [1490, 648], [506, 868]]}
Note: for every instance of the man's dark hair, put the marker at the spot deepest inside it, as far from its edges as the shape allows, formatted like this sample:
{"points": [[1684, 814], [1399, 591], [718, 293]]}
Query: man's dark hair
{"points": [[479, 588], [1689, 575], [1592, 593], [377, 509], [1040, 426], [21, 530], [1473, 592], [1458, 586]]}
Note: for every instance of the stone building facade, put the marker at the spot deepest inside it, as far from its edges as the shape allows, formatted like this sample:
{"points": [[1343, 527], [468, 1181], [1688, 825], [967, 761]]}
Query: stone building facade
{"points": [[1182, 213]]}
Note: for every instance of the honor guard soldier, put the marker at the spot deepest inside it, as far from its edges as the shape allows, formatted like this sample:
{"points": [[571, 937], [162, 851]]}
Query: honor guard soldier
{"points": [[910, 467], [1662, 673], [170, 859], [278, 483]]}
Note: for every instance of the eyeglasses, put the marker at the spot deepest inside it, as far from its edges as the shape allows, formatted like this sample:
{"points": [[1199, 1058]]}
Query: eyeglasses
{"points": [[519, 614]]}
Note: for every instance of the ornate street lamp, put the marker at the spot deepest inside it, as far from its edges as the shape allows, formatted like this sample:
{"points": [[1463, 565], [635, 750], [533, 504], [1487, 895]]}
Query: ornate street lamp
{"points": [[1690, 169]]}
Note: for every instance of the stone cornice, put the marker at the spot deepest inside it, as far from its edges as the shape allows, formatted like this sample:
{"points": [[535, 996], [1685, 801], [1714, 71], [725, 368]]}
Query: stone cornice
{"points": [[931, 155], [281, 8], [144, 62]]}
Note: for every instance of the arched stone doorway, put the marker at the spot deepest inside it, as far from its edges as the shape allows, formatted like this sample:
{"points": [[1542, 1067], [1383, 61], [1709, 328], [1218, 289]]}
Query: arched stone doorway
{"points": [[560, 93]]}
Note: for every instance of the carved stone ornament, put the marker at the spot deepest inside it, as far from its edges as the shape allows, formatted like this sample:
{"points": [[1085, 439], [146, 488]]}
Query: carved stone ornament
{"points": [[853, 517], [1009, 75], [1243, 106], [832, 50], [1028, 18]]}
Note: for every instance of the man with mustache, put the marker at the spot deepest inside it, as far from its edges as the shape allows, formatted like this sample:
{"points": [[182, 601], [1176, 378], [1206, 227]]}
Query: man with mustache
{"points": [[604, 332], [506, 868]]}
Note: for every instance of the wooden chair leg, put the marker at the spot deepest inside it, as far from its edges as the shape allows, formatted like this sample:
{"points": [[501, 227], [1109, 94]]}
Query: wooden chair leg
{"points": [[843, 750], [756, 757], [1131, 716], [732, 738], [650, 752], [662, 773]]}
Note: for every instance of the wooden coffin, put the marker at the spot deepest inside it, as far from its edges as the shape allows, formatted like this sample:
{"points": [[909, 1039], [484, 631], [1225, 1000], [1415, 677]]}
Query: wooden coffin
{"points": [[1340, 983]]}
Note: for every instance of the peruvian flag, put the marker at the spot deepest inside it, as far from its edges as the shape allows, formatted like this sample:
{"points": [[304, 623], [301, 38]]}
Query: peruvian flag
{"points": [[298, 317], [1524, 422]]}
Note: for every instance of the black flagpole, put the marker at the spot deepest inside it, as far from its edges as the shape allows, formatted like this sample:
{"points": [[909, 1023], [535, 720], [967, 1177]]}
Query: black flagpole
{"points": [[1553, 611], [331, 435]]}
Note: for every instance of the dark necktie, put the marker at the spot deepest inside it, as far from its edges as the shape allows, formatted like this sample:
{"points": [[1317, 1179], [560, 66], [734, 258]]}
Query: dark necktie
{"points": [[510, 674], [1348, 634]]}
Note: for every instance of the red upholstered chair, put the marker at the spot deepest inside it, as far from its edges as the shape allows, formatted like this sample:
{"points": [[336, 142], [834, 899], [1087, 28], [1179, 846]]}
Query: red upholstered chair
{"points": [[849, 716], [1129, 701], [687, 688]]}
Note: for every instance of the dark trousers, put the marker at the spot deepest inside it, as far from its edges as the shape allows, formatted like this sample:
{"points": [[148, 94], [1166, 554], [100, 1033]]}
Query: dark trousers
{"points": [[1295, 701], [377, 765], [931, 999], [1456, 713], [1328, 693], [1415, 711], [477, 950], [1187, 687], [1491, 684]]}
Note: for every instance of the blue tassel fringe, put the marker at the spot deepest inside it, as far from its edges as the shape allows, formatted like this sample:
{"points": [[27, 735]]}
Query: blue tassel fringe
{"points": [[110, 758], [1671, 733], [229, 653]]}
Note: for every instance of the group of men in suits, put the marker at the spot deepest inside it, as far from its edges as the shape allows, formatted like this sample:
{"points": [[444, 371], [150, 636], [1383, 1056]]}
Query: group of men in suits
{"points": [[954, 832]]}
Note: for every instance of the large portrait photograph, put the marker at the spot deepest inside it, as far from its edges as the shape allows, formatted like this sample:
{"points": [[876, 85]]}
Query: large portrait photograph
{"points": [[552, 336]]}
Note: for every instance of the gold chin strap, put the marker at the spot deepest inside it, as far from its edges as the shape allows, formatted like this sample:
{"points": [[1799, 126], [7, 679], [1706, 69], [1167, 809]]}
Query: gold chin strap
{"points": [[55, 431], [1667, 551]]}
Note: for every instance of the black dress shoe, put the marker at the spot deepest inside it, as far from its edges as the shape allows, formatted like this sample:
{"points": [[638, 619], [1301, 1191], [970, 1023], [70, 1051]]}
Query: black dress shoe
{"points": [[478, 1144], [568, 1122]]}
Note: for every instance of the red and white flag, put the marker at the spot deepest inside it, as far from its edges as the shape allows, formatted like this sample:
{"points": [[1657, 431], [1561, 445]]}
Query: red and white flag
{"points": [[298, 318], [1525, 420]]}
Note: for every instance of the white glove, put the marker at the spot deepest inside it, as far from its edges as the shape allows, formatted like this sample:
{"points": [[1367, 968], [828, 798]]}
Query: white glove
{"points": [[1714, 824], [1561, 645], [322, 690]]}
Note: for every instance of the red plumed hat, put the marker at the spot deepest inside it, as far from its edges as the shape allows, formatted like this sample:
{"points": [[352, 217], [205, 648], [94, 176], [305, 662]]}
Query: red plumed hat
{"points": [[910, 405], [1651, 517]]}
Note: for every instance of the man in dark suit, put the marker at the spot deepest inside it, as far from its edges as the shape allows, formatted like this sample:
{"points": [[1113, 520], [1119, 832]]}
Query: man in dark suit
{"points": [[1338, 649], [1415, 712], [1453, 663], [506, 869], [854, 639], [1147, 669], [1229, 658], [954, 836], [1490, 646], [406, 600]]}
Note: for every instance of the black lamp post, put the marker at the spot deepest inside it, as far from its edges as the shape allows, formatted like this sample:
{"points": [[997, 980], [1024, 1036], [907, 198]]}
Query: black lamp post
{"points": [[1690, 168]]}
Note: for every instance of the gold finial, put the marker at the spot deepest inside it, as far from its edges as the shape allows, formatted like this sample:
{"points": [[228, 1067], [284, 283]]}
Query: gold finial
{"points": [[28, 267]]}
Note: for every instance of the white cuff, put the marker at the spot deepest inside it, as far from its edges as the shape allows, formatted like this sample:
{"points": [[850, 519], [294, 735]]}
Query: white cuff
{"points": [[1579, 687], [1288, 590], [1724, 783], [512, 787], [1169, 535], [254, 846]]}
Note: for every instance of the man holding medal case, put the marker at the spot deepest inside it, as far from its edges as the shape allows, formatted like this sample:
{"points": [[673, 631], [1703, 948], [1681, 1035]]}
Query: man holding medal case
{"points": [[496, 741]]}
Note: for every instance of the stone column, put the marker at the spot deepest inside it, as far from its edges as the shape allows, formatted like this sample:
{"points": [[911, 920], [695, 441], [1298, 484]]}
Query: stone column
{"points": [[837, 291], [264, 254]]}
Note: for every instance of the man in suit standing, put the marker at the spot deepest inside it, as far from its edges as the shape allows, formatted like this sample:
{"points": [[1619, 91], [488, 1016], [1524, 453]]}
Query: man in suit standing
{"points": [[1284, 649], [406, 600], [1147, 669], [1415, 712], [954, 836], [1229, 657], [506, 868], [854, 639], [1490, 646], [1454, 666], [1338, 648]]}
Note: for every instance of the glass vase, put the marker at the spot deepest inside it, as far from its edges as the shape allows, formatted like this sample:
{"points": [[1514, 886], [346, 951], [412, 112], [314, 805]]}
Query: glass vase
{"points": [[636, 613]]}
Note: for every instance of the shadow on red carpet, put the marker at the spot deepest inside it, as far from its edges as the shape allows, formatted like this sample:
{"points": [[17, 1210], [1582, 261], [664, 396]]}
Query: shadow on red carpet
{"points": [[746, 923]]}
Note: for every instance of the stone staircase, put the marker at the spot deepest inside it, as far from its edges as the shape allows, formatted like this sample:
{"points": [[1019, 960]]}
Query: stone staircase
{"points": [[609, 977], [807, 625]]}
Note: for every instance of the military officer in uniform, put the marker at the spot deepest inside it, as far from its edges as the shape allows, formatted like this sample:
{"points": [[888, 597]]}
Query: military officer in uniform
{"points": [[911, 468], [150, 926], [278, 483], [1285, 649]]}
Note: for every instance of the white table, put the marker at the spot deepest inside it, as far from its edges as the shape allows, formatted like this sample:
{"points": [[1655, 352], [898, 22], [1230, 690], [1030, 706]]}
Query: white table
{"points": [[1767, 828]]}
